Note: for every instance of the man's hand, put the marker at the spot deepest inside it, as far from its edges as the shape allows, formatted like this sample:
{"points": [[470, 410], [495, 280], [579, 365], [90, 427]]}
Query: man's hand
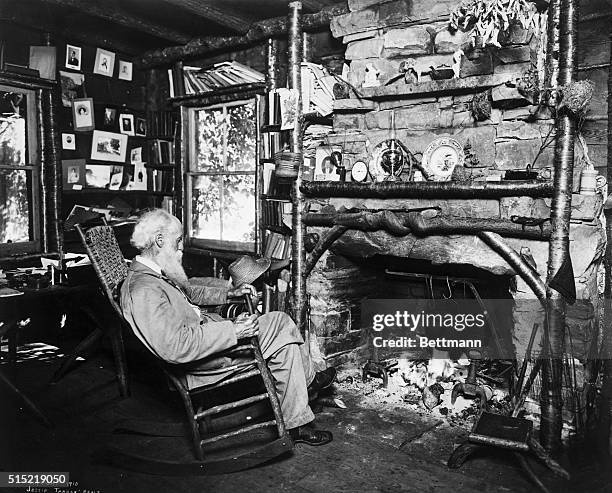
{"points": [[246, 325], [241, 290]]}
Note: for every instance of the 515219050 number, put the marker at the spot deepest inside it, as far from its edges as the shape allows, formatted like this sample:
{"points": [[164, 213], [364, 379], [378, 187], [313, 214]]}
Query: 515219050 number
{"points": [[23, 479]]}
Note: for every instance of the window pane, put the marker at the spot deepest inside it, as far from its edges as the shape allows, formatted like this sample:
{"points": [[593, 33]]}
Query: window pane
{"points": [[14, 208], [224, 213], [209, 140], [241, 137], [12, 128], [238, 211], [205, 203]]}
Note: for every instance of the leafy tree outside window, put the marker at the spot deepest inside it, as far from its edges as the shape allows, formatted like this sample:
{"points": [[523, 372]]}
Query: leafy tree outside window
{"points": [[18, 172], [221, 176]]}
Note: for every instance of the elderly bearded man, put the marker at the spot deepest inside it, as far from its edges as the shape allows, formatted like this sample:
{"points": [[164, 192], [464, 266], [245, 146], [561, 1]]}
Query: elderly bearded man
{"points": [[160, 305]]}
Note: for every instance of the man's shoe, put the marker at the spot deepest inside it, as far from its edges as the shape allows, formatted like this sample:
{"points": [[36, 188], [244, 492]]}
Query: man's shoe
{"points": [[322, 380], [310, 436]]}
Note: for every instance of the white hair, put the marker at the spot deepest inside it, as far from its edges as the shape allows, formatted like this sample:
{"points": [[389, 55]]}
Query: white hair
{"points": [[148, 226]]}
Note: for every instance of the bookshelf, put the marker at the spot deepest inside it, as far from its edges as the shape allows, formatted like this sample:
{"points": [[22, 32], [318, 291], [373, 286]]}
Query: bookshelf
{"points": [[275, 207]]}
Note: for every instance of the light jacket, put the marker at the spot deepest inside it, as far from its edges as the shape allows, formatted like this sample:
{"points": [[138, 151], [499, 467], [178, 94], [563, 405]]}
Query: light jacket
{"points": [[164, 319]]}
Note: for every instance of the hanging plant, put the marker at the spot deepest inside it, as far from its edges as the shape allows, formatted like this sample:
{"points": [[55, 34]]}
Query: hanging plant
{"points": [[486, 19]]}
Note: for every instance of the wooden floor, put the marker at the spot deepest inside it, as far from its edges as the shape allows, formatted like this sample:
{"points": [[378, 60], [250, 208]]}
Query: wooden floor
{"points": [[385, 449]]}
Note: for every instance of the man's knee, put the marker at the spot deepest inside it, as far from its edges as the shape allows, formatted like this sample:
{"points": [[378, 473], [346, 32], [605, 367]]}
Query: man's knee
{"points": [[278, 325]]}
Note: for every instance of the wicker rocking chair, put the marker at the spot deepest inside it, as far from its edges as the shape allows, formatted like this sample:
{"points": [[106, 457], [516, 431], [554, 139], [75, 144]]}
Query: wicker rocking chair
{"points": [[111, 270]]}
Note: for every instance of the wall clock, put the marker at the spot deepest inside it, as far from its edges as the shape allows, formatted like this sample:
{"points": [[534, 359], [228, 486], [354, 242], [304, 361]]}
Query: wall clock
{"points": [[359, 171]]}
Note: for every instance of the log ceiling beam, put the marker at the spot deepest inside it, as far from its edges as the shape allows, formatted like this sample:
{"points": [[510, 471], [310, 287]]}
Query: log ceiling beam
{"points": [[122, 18], [20, 17], [221, 16], [258, 32]]}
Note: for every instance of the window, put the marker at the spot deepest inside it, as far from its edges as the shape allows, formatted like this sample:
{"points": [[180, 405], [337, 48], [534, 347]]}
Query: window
{"points": [[220, 192], [19, 214]]}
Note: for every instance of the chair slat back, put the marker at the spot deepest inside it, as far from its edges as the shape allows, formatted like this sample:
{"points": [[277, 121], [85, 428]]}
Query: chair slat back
{"points": [[107, 260]]}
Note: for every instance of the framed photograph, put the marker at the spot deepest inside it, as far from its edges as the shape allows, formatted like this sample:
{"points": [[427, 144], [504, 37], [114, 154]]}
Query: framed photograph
{"points": [[68, 142], [104, 63], [141, 127], [125, 70], [136, 155], [83, 114], [97, 175], [324, 166], [116, 177], [139, 178], [73, 174], [126, 124], [109, 119], [108, 146], [72, 87], [73, 57]]}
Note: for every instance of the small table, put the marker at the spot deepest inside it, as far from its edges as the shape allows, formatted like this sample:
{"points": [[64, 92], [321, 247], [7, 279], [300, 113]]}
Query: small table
{"points": [[13, 309]]}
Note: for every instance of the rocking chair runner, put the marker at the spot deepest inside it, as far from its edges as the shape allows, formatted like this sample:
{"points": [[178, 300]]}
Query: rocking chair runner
{"points": [[111, 269]]}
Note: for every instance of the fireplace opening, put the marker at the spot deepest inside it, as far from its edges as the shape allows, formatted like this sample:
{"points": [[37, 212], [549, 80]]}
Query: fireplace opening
{"points": [[423, 377]]}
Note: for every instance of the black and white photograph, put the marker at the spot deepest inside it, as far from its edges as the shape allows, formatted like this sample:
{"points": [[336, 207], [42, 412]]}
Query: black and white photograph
{"points": [[136, 155], [97, 175], [73, 172], [104, 63], [68, 142], [141, 127], [126, 124], [108, 146], [73, 57], [71, 86], [109, 121], [83, 114], [125, 70], [310, 246]]}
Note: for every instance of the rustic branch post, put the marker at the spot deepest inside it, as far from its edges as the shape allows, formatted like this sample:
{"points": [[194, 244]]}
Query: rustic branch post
{"points": [[298, 252], [606, 354], [551, 403]]}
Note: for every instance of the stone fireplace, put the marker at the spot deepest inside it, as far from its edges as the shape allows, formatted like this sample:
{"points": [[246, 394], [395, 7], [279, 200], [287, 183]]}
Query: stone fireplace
{"points": [[379, 36]]}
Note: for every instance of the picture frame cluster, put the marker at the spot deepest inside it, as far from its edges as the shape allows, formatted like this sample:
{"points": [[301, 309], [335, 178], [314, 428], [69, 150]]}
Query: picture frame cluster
{"points": [[98, 151]]}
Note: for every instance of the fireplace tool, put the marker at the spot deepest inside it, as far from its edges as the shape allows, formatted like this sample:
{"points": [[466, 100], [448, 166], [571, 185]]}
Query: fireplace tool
{"points": [[470, 388], [379, 369]]}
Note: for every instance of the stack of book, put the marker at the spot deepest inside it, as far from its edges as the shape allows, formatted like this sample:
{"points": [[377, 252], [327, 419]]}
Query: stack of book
{"points": [[160, 180], [315, 136], [225, 74], [273, 142], [277, 246], [281, 108], [276, 212], [317, 89]]}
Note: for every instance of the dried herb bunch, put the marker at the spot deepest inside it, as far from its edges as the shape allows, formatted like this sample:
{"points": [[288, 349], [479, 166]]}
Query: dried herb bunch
{"points": [[486, 19]]}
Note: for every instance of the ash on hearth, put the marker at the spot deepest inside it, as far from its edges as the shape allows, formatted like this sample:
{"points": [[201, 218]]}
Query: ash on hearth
{"points": [[425, 386]]}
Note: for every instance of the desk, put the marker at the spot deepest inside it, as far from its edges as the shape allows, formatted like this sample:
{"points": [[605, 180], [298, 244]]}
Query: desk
{"points": [[15, 308]]}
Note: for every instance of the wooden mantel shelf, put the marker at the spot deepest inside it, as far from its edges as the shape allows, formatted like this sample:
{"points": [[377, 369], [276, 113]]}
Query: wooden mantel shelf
{"points": [[401, 89]]}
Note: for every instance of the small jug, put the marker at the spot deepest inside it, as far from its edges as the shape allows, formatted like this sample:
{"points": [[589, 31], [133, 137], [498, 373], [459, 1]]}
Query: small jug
{"points": [[591, 182]]}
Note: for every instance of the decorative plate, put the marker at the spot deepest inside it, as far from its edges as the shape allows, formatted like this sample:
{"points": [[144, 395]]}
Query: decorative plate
{"points": [[388, 160], [440, 159]]}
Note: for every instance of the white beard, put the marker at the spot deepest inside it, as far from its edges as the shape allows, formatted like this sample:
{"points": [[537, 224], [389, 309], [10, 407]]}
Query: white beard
{"points": [[173, 268]]}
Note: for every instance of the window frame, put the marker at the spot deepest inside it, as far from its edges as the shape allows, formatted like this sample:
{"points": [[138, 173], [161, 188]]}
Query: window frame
{"points": [[32, 165], [190, 148]]}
